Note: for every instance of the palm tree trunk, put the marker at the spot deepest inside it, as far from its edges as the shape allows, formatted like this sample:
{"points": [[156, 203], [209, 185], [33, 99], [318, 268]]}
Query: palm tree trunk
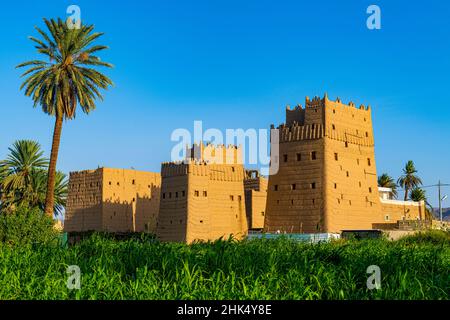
{"points": [[49, 199], [406, 193]]}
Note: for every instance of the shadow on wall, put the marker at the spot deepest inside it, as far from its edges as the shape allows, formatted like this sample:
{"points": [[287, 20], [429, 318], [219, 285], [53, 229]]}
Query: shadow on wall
{"points": [[137, 215]]}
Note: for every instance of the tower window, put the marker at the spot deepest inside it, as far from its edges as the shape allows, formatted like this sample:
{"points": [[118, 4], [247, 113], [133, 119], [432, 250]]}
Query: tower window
{"points": [[313, 155], [205, 193], [176, 194], [299, 157], [313, 185], [183, 193], [196, 193], [285, 158], [357, 162], [275, 187], [368, 162], [336, 157], [370, 190], [133, 182], [164, 195], [333, 126], [348, 174], [346, 144], [239, 198], [335, 185], [367, 134], [293, 186], [232, 198]]}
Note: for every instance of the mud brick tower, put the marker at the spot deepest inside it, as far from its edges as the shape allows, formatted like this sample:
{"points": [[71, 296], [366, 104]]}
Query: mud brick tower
{"points": [[202, 198], [327, 178], [113, 200]]}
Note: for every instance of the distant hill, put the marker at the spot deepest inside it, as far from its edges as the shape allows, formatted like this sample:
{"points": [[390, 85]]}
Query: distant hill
{"points": [[445, 213]]}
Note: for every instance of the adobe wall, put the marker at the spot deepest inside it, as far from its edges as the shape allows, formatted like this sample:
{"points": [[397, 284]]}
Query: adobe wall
{"points": [[295, 197], [172, 218], [351, 191], [84, 201], [113, 200], [202, 200], [131, 200], [255, 201], [395, 210]]}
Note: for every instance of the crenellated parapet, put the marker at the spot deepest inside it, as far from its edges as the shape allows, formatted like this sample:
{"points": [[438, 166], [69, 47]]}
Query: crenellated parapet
{"points": [[297, 132], [211, 153]]}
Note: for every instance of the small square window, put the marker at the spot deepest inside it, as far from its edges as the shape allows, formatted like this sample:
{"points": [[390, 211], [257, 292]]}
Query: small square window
{"points": [[386, 218]]}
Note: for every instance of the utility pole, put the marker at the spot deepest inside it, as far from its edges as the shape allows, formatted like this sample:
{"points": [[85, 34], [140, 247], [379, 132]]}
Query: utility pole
{"points": [[440, 200]]}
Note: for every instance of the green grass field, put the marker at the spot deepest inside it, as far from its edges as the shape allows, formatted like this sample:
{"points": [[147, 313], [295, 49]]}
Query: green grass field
{"points": [[413, 268]]}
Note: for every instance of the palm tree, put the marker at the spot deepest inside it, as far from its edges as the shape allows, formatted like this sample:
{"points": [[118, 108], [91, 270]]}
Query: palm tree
{"points": [[418, 194], [409, 180], [23, 181], [386, 181], [24, 157], [67, 79]]}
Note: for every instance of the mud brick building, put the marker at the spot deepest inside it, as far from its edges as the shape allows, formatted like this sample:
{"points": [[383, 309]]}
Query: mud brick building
{"points": [[327, 177], [113, 200]]}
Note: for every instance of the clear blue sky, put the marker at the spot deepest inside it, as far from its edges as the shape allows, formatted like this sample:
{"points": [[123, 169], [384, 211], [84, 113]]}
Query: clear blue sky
{"points": [[236, 64]]}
